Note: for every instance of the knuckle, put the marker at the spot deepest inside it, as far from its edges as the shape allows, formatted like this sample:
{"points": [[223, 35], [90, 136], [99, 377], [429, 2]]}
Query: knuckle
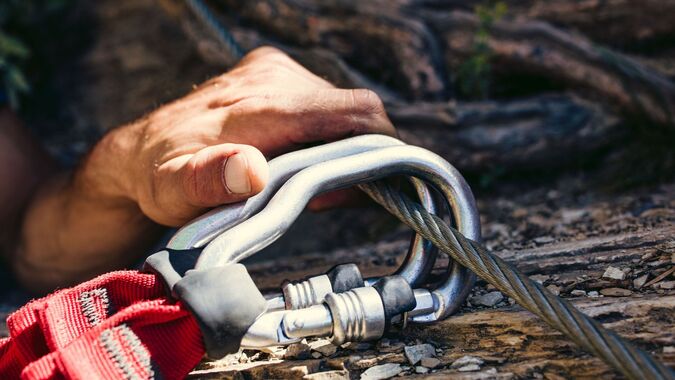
{"points": [[366, 102], [264, 52]]}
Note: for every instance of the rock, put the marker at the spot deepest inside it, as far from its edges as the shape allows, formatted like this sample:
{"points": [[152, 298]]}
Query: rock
{"points": [[555, 289], [316, 355], [383, 371], [613, 273], [615, 292], [323, 346], [359, 346], [430, 362], [569, 215], [388, 346], [593, 294], [669, 350], [640, 281], [420, 369], [668, 285], [488, 299], [578, 293], [540, 278], [298, 351], [469, 368], [466, 361], [544, 239], [416, 353], [328, 375]]}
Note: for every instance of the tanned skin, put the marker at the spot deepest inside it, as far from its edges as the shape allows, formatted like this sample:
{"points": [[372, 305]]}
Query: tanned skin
{"points": [[206, 149]]}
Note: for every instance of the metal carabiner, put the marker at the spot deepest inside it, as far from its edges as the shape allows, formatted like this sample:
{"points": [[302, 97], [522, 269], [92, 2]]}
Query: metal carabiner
{"points": [[202, 230], [270, 223]]}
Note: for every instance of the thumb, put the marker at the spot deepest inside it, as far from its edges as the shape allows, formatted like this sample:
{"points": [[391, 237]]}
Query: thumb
{"points": [[212, 176]]}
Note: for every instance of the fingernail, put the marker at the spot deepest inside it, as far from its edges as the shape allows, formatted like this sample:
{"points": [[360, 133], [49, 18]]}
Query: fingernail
{"points": [[235, 174]]}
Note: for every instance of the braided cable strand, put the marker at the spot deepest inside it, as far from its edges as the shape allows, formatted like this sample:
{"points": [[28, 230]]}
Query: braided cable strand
{"points": [[557, 312], [207, 18]]}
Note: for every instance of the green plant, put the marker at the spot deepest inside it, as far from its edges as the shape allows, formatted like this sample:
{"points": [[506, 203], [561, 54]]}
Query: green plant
{"points": [[474, 74], [18, 20]]}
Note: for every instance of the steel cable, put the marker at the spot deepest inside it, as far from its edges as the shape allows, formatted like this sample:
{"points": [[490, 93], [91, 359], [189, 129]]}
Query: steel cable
{"points": [[219, 31], [631, 361]]}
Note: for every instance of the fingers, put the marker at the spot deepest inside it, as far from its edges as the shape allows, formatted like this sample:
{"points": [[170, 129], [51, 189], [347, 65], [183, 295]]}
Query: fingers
{"points": [[186, 185], [293, 119]]}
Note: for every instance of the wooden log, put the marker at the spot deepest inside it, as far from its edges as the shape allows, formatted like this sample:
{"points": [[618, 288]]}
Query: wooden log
{"points": [[547, 131], [538, 48], [623, 24]]}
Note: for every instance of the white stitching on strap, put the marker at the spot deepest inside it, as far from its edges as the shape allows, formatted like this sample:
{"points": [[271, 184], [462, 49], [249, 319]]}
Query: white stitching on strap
{"points": [[117, 341], [87, 302]]}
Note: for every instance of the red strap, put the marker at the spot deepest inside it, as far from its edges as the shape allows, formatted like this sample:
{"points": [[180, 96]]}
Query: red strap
{"points": [[118, 325]]}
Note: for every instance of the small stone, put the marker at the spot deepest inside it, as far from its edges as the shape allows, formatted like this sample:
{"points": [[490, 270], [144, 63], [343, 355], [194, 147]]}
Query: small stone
{"points": [[593, 294], [613, 273], [569, 215], [420, 369], [324, 346], [615, 292], [491, 371], [555, 289], [298, 351], [540, 278], [430, 362], [469, 368], [316, 355], [416, 353], [668, 285], [467, 360], [578, 293], [669, 350], [640, 281], [359, 346], [488, 299], [381, 372], [328, 375], [390, 347], [243, 358], [544, 239]]}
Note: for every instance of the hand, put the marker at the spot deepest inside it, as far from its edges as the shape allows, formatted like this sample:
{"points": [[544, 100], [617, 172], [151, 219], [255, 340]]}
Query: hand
{"points": [[209, 148]]}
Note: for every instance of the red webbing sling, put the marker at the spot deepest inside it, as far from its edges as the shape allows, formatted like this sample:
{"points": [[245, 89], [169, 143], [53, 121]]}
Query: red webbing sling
{"points": [[119, 325]]}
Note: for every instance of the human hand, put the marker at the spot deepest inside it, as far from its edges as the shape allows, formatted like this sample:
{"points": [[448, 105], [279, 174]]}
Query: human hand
{"points": [[209, 147]]}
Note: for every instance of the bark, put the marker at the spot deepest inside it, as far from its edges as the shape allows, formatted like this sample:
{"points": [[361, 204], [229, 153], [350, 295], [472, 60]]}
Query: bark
{"points": [[547, 131], [538, 48]]}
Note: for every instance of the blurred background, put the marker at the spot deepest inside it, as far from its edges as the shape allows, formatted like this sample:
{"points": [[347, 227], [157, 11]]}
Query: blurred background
{"points": [[544, 103]]}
